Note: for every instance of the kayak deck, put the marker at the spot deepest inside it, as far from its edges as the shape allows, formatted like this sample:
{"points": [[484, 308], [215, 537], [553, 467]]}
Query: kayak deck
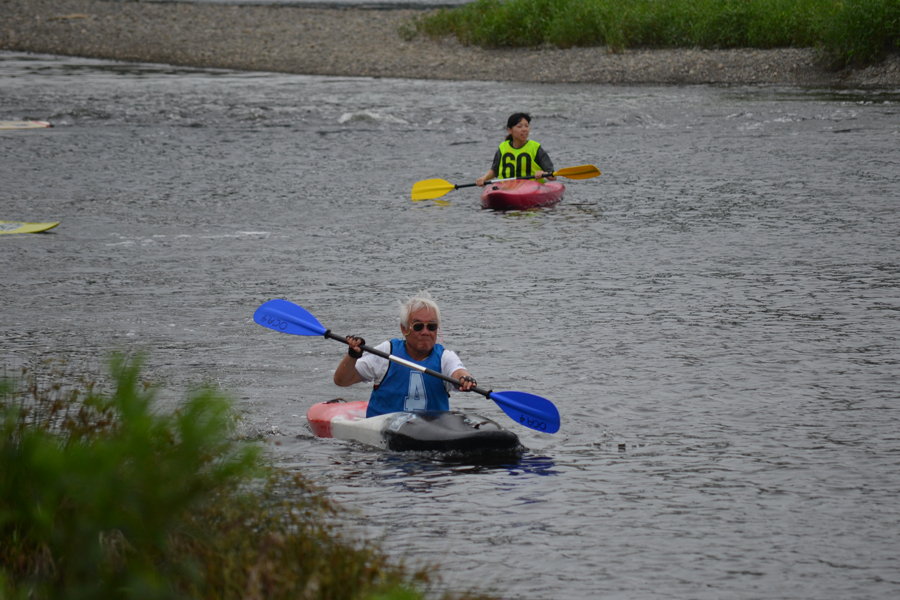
{"points": [[420, 431], [521, 194]]}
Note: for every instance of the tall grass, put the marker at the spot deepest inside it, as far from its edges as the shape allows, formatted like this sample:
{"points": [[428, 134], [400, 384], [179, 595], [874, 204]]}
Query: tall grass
{"points": [[103, 496], [848, 30]]}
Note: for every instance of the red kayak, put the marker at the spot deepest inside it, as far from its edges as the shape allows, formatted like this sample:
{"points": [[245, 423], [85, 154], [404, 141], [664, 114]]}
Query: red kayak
{"points": [[521, 194]]}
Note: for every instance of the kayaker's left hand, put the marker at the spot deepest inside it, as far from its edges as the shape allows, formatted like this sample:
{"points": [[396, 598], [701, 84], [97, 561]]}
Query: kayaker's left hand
{"points": [[545, 175], [466, 383]]}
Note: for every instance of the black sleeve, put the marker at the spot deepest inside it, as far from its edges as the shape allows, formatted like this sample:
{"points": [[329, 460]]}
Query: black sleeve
{"points": [[543, 160], [495, 166]]}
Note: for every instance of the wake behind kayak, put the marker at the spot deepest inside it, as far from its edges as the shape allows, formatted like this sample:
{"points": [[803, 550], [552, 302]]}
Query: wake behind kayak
{"points": [[419, 431]]}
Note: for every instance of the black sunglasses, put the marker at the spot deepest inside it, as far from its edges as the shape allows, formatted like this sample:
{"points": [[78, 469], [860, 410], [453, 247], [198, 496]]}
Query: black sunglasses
{"points": [[419, 326]]}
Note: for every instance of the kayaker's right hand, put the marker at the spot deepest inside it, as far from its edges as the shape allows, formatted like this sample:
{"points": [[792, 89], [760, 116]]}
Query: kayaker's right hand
{"points": [[486, 178], [354, 343]]}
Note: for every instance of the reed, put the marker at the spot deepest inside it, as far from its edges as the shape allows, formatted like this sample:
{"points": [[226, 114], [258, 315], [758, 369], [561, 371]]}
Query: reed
{"points": [[104, 496], [848, 31]]}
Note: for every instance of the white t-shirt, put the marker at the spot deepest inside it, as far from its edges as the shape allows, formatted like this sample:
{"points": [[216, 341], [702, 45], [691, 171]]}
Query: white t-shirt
{"points": [[373, 368]]}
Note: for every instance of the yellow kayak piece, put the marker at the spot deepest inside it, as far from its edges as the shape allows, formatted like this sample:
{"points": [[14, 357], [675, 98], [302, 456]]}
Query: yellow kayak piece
{"points": [[19, 227], [24, 124]]}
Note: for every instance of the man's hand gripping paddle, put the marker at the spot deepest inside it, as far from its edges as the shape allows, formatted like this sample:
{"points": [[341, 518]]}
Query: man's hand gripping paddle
{"points": [[526, 409]]}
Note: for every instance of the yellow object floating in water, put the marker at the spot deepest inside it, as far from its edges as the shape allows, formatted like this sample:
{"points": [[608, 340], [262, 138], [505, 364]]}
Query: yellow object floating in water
{"points": [[19, 227]]}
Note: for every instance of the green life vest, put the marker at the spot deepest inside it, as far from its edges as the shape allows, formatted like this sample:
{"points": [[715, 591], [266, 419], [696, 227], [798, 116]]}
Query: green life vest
{"points": [[520, 162]]}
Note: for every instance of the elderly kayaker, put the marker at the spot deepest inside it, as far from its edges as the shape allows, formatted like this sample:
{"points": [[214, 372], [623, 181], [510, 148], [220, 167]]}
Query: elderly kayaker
{"points": [[398, 387], [518, 156]]}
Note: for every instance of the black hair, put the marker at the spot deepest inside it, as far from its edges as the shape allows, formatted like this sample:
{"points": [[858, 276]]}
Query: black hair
{"points": [[514, 120]]}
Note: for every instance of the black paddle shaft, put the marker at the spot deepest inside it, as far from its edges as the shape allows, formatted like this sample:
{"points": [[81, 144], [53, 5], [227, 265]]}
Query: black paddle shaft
{"points": [[412, 365], [490, 181]]}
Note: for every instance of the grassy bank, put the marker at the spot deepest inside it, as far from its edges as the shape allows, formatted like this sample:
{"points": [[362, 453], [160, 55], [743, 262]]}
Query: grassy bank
{"points": [[103, 496], [849, 31]]}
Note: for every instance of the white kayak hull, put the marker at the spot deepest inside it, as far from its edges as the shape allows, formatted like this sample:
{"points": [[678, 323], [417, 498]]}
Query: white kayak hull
{"points": [[422, 431]]}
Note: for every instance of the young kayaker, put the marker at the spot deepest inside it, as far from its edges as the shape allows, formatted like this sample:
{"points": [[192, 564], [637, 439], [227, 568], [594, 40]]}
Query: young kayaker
{"points": [[398, 387], [518, 156]]}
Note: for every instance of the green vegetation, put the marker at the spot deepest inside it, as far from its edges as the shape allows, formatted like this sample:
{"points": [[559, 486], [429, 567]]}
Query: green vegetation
{"points": [[101, 496], [849, 31]]}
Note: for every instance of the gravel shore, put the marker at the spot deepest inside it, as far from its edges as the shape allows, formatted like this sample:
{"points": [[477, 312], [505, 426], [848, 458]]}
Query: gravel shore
{"points": [[360, 42]]}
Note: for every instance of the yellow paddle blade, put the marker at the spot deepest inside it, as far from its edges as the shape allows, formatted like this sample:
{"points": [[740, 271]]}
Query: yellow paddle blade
{"points": [[431, 188], [581, 172]]}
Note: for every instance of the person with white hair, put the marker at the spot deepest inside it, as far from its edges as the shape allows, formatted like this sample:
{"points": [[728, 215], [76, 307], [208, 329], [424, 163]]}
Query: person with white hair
{"points": [[398, 387]]}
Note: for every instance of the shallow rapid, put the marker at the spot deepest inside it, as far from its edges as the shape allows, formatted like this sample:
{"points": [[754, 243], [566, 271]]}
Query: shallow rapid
{"points": [[715, 316]]}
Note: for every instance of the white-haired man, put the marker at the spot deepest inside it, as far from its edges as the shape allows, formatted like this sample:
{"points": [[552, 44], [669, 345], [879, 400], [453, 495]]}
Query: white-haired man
{"points": [[398, 387]]}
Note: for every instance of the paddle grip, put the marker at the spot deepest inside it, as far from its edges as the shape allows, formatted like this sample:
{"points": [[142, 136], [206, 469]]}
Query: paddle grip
{"points": [[343, 340], [511, 179], [411, 365]]}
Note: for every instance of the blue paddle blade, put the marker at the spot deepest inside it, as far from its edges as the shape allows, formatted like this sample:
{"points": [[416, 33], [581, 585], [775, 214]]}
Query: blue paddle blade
{"points": [[529, 410], [287, 317]]}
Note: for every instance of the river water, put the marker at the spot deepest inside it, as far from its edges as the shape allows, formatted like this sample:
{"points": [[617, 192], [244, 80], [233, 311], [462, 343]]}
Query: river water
{"points": [[715, 316]]}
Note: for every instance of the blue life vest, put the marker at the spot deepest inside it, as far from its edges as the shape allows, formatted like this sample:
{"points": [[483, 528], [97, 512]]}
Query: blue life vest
{"points": [[406, 389]]}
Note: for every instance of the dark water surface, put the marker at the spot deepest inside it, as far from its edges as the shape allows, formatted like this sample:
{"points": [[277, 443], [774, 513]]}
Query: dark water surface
{"points": [[723, 300]]}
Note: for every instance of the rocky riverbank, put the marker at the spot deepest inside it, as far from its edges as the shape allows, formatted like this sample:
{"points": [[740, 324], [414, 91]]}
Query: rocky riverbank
{"points": [[360, 42]]}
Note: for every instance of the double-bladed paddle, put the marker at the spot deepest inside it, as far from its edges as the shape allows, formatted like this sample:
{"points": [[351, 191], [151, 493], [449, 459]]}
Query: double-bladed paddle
{"points": [[435, 188], [527, 409]]}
